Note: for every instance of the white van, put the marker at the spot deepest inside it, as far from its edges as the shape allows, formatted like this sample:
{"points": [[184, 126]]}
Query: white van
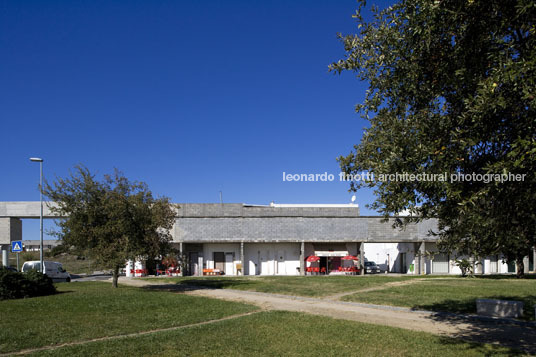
{"points": [[53, 270]]}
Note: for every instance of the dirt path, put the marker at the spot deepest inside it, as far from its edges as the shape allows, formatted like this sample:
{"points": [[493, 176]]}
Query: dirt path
{"points": [[506, 333], [516, 334], [381, 287]]}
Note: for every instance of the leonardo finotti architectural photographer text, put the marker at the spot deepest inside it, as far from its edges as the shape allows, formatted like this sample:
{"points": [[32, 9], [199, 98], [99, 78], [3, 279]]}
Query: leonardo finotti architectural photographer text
{"points": [[404, 177]]}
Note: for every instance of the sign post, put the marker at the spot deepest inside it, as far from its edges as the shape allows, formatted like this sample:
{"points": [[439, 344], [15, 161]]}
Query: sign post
{"points": [[16, 247]]}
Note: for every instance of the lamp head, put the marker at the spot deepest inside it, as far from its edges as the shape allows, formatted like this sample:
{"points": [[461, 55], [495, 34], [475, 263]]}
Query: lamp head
{"points": [[36, 159]]}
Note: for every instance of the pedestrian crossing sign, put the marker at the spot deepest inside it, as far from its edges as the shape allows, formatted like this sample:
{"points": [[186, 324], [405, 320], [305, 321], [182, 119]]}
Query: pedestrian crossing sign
{"points": [[16, 246]]}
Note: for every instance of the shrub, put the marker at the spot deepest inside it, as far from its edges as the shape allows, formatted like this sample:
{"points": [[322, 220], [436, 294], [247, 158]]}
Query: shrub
{"points": [[15, 285], [170, 261], [466, 266], [41, 284], [27, 256], [59, 249]]}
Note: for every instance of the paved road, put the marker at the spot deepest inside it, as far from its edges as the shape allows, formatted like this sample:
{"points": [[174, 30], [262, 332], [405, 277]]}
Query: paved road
{"points": [[97, 277]]}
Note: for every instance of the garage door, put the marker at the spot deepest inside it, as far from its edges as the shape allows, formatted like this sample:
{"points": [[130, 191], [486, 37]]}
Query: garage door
{"points": [[493, 266], [440, 264]]}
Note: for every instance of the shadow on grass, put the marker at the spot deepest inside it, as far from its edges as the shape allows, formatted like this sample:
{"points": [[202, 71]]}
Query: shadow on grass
{"points": [[468, 306], [478, 347], [520, 335], [506, 277], [196, 284]]}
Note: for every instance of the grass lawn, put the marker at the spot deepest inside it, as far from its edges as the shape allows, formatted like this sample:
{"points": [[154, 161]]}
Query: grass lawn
{"points": [[94, 309], [454, 295], [291, 285], [277, 333]]}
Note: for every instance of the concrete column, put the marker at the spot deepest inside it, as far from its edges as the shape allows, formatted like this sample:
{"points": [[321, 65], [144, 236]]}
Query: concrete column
{"points": [[362, 258], [416, 250], [10, 230], [526, 265], [420, 250], [242, 271], [5, 256], [199, 265], [182, 261], [534, 263], [422, 258], [302, 258]]}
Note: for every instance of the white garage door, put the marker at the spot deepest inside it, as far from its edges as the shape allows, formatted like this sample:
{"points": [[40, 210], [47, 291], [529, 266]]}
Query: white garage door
{"points": [[440, 264], [493, 266]]}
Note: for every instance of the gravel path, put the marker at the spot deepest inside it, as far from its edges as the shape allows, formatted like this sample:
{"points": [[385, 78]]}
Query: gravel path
{"points": [[382, 287]]}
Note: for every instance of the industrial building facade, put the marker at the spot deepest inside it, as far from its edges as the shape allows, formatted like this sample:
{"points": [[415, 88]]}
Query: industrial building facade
{"points": [[277, 239]]}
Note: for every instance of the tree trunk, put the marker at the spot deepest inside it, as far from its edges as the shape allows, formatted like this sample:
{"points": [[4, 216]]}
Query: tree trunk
{"points": [[520, 268], [115, 276]]}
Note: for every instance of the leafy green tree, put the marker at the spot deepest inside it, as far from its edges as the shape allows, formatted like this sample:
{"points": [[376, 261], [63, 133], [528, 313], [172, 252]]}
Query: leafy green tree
{"points": [[452, 87], [111, 221]]}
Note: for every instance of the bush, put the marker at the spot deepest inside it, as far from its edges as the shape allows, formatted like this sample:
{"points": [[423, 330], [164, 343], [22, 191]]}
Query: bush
{"points": [[27, 256], [466, 266], [41, 284], [14, 285], [59, 249]]}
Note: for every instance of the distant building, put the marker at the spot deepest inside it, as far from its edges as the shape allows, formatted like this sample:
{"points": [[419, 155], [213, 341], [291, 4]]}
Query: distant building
{"points": [[34, 245]]}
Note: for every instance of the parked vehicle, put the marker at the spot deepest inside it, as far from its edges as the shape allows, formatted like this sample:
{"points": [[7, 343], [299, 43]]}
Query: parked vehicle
{"points": [[53, 270], [372, 268]]}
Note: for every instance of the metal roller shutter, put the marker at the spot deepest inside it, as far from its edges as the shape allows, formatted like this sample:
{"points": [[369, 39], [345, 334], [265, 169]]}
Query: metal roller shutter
{"points": [[440, 264]]}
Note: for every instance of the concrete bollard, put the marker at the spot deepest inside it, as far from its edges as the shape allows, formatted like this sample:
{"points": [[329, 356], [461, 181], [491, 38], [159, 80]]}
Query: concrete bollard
{"points": [[499, 308]]}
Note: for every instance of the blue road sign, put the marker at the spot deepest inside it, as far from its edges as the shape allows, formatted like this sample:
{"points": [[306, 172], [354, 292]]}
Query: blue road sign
{"points": [[16, 246]]}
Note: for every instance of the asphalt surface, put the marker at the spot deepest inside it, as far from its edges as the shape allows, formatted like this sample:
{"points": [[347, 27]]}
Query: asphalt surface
{"points": [[93, 277]]}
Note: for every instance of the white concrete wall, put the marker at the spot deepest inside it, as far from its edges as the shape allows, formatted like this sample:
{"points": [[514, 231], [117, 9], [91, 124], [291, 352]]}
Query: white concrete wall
{"points": [[210, 248], [271, 258], [501, 267], [387, 255], [384, 254], [284, 258]]}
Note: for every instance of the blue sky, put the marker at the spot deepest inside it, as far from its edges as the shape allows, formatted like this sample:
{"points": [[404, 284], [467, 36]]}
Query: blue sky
{"points": [[192, 97]]}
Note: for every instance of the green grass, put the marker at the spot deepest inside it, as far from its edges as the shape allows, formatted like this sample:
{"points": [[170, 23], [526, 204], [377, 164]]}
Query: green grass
{"points": [[454, 295], [290, 285], [94, 309], [279, 333]]}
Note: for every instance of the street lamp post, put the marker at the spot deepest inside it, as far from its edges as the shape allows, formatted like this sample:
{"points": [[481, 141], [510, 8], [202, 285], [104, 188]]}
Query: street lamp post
{"points": [[40, 161]]}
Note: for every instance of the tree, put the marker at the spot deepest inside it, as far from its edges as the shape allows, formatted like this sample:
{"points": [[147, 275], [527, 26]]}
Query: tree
{"points": [[451, 92], [113, 220]]}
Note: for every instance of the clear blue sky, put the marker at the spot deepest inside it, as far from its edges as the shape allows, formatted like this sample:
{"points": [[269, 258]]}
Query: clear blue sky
{"points": [[192, 97]]}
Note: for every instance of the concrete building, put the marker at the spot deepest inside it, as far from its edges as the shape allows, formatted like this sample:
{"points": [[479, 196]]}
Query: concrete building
{"points": [[32, 245], [276, 239]]}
